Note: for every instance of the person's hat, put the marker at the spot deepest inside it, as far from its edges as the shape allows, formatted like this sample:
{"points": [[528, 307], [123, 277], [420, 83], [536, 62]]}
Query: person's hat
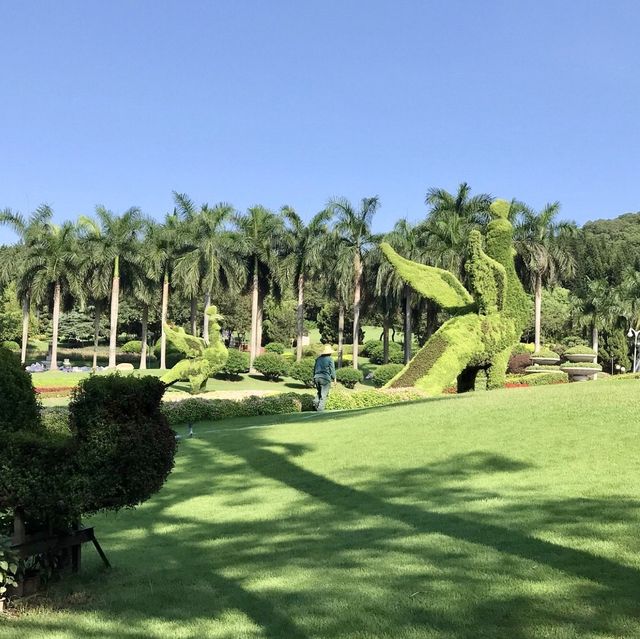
{"points": [[327, 350]]}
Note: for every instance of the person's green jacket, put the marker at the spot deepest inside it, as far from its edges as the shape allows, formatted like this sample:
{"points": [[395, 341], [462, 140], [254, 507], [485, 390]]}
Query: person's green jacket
{"points": [[324, 369]]}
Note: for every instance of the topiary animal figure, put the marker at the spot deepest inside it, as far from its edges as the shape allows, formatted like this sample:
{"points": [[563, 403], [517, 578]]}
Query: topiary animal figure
{"points": [[487, 321], [203, 359]]}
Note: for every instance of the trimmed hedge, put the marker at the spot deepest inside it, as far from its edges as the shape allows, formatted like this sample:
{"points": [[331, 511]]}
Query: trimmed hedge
{"points": [[542, 368], [303, 371], [385, 373], [275, 347], [340, 399], [349, 377], [547, 353], [570, 365], [271, 365], [541, 379], [580, 350], [11, 346], [237, 363]]}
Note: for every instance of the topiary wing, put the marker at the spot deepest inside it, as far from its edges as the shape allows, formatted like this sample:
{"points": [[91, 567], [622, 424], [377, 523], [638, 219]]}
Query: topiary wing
{"points": [[433, 283]]}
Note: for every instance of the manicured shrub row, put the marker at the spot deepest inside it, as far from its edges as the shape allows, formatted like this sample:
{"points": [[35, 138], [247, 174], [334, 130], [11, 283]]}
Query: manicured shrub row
{"points": [[349, 376], [271, 365], [422, 362], [385, 373], [188, 411], [579, 350], [342, 400], [547, 353], [541, 379], [539, 368], [570, 365]]}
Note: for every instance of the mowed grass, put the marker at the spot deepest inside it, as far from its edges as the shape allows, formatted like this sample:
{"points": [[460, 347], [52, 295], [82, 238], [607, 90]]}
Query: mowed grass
{"points": [[507, 514]]}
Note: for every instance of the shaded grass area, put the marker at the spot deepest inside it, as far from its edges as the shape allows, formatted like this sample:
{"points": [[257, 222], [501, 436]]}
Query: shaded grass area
{"points": [[510, 514]]}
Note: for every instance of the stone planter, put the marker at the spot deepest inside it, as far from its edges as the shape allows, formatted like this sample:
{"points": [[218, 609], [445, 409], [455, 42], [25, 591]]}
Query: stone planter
{"points": [[581, 357], [544, 361], [581, 373]]}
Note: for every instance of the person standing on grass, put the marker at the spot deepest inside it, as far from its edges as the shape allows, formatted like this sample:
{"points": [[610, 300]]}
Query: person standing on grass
{"points": [[324, 372]]}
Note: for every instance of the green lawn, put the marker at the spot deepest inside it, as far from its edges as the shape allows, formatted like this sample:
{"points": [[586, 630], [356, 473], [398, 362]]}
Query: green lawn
{"points": [[508, 514]]}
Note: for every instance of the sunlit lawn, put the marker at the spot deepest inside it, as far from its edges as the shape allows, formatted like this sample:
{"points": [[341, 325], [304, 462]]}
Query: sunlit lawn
{"points": [[507, 514]]}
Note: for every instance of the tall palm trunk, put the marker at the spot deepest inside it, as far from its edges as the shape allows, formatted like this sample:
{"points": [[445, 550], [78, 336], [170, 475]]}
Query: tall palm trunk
{"points": [[538, 310], [194, 314], [25, 329], [254, 315], [205, 321], [300, 326], [115, 298], [407, 324], [356, 306], [385, 340], [259, 321], [340, 333], [96, 334], [163, 320], [143, 337], [56, 322], [594, 339]]}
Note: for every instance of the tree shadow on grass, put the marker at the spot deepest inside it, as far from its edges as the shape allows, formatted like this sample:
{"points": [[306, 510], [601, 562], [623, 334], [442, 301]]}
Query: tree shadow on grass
{"points": [[379, 560]]}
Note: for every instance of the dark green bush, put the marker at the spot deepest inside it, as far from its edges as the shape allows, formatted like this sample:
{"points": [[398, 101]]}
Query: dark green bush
{"points": [[271, 365], [368, 346], [133, 346], [55, 419], [19, 408], [396, 355], [349, 376], [518, 363], [236, 364], [11, 346], [124, 446], [385, 373], [275, 347], [303, 371]]}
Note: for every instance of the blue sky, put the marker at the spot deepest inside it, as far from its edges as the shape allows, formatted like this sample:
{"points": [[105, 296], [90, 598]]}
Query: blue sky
{"points": [[287, 102]]}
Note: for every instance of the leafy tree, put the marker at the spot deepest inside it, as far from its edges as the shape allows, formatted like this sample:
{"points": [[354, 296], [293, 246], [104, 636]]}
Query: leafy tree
{"points": [[353, 228], [10, 314], [280, 320], [594, 308]]}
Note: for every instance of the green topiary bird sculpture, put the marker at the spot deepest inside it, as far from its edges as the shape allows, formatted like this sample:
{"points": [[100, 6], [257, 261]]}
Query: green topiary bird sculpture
{"points": [[203, 359], [487, 322]]}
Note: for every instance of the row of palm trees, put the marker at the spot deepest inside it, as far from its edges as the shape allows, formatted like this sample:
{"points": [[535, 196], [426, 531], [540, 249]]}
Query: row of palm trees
{"points": [[205, 250]]}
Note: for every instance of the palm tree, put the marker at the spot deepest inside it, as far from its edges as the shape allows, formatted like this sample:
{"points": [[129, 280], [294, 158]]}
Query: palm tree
{"points": [[308, 243], [263, 242], [354, 230], [595, 308], [116, 237], [542, 258], [210, 261], [28, 231], [52, 266]]}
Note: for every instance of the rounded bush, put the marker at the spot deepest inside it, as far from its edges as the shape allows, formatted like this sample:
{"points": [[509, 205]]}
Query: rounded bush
{"points": [[275, 347], [580, 350], [546, 353], [349, 376], [303, 371], [11, 346], [271, 365], [386, 373], [134, 346], [368, 346], [396, 356], [236, 364]]}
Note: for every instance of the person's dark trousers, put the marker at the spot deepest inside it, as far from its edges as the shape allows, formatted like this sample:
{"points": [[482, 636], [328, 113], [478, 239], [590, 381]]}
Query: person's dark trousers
{"points": [[323, 391]]}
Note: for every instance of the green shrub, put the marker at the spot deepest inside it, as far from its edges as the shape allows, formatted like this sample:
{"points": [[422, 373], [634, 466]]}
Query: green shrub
{"points": [[173, 354], [570, 365], [368, 346], [8, 566], [275, 347], [547, 353], [376, 353], [350, 376], [11, 345], [340, 399], [271, 365], [303, 371], [236, 364], [518, 363], [19, 409], [541, 379], [306, 402], [580, 350], [522, 349], [312, 351], [56, 420], [542, 368], [385, 373], [124, 446], [133, 346]]}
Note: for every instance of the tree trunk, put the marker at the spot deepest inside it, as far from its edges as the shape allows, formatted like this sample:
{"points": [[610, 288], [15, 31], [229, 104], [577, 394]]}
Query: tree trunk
{"points": [[205, 322], [300, 317], [25, 329], [407, 324], [163, 321], [254, 316], [115, 298], [96, 334], [259, 323], [340, 333], [194, 314], [143, 338], [538, 311], [356, 307], [385, 340], [56, 322], [594, 339]]}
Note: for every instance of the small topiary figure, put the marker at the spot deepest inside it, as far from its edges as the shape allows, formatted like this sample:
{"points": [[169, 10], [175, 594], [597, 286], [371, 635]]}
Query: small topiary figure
{"points": [[487, 321], [203, 359]]}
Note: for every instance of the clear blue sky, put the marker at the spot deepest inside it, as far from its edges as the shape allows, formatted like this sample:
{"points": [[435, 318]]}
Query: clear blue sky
{"points": [[288, 102]]}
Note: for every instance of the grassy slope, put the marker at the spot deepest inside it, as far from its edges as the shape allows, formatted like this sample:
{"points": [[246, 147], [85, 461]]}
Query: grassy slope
{"points": [[510, 514]]}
